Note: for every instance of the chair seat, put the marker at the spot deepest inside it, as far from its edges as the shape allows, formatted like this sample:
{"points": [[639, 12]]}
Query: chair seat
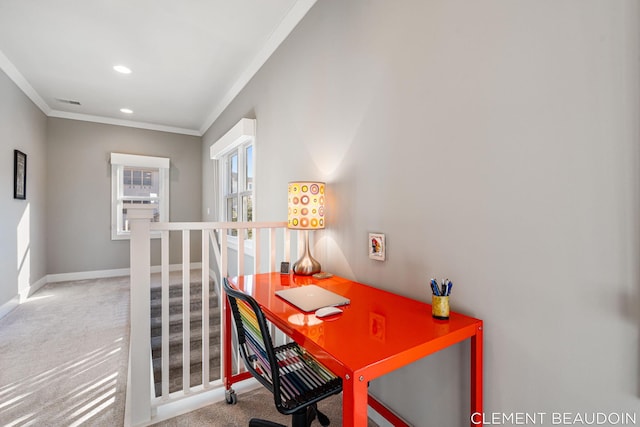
{"points": [[302, 379]]}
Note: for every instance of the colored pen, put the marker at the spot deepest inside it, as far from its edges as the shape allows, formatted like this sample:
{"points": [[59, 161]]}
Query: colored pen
{"points": [[434, 287]]}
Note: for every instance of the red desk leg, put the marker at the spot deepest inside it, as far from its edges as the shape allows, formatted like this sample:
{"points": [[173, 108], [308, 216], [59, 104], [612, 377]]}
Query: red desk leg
{"points": [[226, 330], [355, 396], [476, 378]]}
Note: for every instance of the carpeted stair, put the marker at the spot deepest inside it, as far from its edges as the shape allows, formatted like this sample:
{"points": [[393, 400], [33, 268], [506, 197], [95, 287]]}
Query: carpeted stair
{"points": [[175, 335]]}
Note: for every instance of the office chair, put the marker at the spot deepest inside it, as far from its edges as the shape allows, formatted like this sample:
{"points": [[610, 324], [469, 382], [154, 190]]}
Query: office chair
{"points": [[296, 379]]}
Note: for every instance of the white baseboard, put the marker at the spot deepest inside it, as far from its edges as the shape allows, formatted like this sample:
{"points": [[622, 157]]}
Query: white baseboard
{"points": [[85, 275], [101, 274], [27, 292], [9, 305], [197, 401], [21, 297], [377, 418]]}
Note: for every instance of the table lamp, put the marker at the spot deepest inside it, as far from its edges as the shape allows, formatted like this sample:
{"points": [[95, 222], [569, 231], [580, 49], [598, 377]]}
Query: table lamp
{"points": [[306, 212]]}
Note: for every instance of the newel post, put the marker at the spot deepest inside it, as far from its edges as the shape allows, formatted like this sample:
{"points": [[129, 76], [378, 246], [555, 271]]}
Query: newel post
{"points": [[139, 391]]}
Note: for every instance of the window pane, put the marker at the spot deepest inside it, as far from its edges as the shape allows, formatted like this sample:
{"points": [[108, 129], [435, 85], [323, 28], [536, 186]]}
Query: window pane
{"points": [[247, 212], [127, 177], [247, 208], [233, 174], [141, 182], [248, 173], [232, 213]]}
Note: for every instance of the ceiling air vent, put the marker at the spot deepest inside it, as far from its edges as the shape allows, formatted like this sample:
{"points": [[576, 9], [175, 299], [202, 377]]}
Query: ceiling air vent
{"points": [[68, 101]]}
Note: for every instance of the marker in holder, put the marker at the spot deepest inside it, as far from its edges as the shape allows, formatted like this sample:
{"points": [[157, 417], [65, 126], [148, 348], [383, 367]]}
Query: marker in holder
{"points": [[440, 307]]}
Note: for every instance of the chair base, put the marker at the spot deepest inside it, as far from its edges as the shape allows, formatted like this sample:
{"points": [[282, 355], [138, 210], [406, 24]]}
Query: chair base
{"points": [[264, 423], [302, 418]]}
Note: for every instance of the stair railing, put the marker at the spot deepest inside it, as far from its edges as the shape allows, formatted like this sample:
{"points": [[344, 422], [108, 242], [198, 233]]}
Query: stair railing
{"points": [[142, 404]]}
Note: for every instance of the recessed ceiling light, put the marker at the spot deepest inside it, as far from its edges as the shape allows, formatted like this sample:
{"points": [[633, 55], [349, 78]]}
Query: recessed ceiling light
{"points": [[126, 110], [122, 69]]}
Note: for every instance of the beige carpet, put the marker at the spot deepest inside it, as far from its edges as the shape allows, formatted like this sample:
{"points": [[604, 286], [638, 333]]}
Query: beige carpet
{"points": [[63, 356], [254, 404], [63, 363]]}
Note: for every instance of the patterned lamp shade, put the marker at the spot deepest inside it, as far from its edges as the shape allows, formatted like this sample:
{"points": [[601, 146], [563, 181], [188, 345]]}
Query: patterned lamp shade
{"points": [[306, 205]]}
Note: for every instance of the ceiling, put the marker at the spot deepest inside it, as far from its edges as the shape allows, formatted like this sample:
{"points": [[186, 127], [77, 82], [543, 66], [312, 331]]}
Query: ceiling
{"points": [[189, 58]]}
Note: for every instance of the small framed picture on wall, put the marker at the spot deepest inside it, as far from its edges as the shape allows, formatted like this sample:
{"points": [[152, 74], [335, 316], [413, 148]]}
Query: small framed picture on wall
{"points": [[377, 246], [19, 175]]}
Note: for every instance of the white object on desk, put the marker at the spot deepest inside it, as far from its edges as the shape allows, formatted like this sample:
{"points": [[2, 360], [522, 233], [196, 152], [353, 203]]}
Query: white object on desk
{"points": [[309, 298], [327, 311]]}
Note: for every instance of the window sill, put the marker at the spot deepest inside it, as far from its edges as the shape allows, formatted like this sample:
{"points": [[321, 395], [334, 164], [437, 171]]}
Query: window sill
{"points": [[127, 235]]}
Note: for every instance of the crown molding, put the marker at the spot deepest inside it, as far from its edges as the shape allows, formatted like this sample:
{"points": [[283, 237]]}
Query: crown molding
{"points": [[120, 122], [12, 72]]}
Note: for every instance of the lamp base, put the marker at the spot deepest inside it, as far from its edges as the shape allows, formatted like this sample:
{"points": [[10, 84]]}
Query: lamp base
{"points": [[306, 265]]}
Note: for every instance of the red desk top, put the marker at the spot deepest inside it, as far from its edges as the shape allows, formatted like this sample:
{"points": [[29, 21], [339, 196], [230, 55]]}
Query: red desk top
{"points": [[378, 332]]}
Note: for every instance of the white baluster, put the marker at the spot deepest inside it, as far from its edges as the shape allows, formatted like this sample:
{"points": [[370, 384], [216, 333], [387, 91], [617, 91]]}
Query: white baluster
{"points": [[139, 398], [165, 310], [186, 311]]}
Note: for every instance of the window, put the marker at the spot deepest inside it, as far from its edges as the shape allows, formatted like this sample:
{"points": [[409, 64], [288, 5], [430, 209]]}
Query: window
{"points": [[238, 184], [137, 180], [234, 153]]}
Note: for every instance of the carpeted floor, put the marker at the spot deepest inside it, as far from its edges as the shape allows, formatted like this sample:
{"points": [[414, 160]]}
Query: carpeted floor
{"points": [[254, 404], [63, 363], [63, 356]]}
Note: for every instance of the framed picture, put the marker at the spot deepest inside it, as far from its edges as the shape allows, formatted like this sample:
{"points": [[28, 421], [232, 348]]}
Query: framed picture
{"points": [[19, 175], [376, 246]]}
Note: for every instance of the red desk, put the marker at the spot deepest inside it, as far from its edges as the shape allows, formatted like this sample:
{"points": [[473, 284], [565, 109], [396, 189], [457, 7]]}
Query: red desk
{"points": [[376, 334]]}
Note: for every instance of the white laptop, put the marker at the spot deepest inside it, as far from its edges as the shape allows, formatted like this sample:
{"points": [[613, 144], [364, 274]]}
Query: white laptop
{"points": [[311, 297]]}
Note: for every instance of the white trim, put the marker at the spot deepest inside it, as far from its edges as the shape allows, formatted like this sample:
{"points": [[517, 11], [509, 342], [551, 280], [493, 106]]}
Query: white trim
{"points": [[31, 289], [288, 23], [197, 400], [7, 307], [120, 122], [135, 160], [21, 297], [377, 418], [243, 131], [236, 140], [101, 274], [84, 275], [12, 72], [118, 162], [126, 235]]}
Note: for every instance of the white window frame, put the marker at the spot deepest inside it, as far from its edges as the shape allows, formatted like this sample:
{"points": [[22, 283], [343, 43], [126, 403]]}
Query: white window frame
{"points": [[235, 141], [121, 161]]}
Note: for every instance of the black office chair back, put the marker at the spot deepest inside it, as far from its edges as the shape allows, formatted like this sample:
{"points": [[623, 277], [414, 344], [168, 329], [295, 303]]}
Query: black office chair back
{"points": [[295, 378]]}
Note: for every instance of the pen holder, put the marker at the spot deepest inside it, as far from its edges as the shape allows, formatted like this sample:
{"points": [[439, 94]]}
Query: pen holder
{"points": [[440, 307]]}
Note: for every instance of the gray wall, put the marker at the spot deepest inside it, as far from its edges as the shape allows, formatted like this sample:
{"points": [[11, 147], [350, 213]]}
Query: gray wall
{"points": [[79, 175], [22, 232], [494, 143]]}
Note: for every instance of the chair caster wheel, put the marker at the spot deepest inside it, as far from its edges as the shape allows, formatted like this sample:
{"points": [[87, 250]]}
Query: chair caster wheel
{"points": [[231, 397]]}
